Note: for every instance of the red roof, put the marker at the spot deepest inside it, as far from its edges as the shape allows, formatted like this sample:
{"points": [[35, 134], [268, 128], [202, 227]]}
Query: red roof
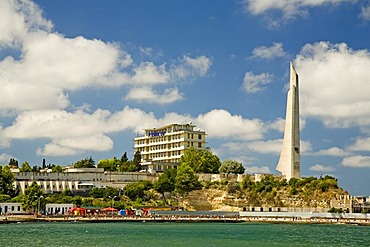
{"points": [[109, 209]]}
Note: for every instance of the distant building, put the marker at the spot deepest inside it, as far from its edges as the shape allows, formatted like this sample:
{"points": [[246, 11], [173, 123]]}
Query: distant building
{"points": [[161, 148], [79, 183]]}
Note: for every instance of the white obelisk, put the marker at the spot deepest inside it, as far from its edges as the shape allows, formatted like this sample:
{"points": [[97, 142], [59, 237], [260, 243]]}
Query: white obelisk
{"points": [[290, 158]]}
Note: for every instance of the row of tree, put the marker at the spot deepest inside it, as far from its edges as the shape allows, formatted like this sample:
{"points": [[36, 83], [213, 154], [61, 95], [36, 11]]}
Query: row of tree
{"points": [[201, 161]]}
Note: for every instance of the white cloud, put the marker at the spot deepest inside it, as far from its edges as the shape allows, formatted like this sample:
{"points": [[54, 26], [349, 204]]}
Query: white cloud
{"points": [[265, 147], [148, 94], [278, 124], [200, 64], [361, 144], [190, 67], [4, 141], [357, 161], [365, 13], [333, 151], [256, 169], [75, 132], [68, 130], [262, 147], [221, 124], [264, 52], [255, 83], [146, 51], [5, 157], [289, 8], [52, 149], [74, 145], [49, 64], [148, 73], [17, 19], [334, 84], [321, 168]]}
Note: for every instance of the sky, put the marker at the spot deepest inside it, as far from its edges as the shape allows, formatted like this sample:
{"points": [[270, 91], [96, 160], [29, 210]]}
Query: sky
{"points": [[84, 78]]}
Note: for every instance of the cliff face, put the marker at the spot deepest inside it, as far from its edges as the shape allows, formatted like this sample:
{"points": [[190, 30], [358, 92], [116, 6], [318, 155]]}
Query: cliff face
{"points": [[223, 200]]}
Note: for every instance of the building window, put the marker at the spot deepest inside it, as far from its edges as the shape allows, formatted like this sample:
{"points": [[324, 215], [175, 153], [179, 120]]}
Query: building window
{"points": [[200, 137], [199, 144]]}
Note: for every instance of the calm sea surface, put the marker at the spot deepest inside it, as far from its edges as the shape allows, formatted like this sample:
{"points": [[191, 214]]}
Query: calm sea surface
{"points": [[181, 234]]}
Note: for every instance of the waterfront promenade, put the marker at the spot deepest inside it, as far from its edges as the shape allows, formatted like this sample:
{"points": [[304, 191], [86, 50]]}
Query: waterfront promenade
{"points": [[357, 219]]}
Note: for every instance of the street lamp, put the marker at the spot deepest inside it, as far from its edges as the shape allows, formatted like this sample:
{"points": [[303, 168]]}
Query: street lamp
{"points": [[39, 198], [112, 202]]}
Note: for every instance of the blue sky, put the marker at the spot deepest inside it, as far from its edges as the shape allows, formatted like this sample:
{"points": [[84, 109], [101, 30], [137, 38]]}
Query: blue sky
{"points": [[83, 78]]}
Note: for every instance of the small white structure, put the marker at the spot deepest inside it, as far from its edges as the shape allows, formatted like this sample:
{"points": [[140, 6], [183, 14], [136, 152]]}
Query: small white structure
{"points": [[12, 208], [58, 208]]}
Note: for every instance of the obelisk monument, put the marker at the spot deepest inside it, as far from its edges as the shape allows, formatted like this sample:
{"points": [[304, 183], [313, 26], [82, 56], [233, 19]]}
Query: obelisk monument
{"points": [[290, 157]]}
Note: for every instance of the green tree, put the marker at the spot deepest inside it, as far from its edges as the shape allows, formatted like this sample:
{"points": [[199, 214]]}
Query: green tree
{"points": [[124, 157], [97, 192], [13, 163], [137, 190], [33, 197], [36, 168], [110, 192], [201, 161], [57, 169], [231, 167], [109, 164], [128, 166], [186, 179], [166, 182], [67, 192], [137, 160], [85, 163], [25, 167], [4, 198], [6, 181], [247, 182]]}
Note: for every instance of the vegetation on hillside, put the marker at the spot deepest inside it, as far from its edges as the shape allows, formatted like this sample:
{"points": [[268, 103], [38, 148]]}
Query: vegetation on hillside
{"points": [[175, 186]]}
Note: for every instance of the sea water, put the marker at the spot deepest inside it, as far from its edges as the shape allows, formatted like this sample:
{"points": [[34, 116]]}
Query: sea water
{"points": [[181, 234]]}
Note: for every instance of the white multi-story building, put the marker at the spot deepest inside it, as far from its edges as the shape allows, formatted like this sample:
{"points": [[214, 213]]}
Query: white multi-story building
{"points": [[161, 148]]}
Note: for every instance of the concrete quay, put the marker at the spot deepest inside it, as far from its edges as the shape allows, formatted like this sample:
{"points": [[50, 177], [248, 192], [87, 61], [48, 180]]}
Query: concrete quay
{"points": [[274, 219]]}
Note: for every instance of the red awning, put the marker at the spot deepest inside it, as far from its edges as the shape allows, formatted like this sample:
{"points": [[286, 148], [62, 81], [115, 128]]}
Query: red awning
{"points": [[109, 209], [81, 210]]}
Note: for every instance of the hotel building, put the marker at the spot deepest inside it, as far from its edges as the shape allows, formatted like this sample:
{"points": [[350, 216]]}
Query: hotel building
{"points": [[161, 148]]}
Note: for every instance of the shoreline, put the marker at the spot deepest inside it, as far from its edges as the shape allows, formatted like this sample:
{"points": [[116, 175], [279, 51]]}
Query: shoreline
{"points": [[177, 219]]}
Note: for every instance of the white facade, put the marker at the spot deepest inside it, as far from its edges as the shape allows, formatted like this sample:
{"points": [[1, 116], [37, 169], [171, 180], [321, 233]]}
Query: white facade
{"points": [[12, 208], [162, 148], [58, 208], [289, 162], [77, 182], [48, 186]]}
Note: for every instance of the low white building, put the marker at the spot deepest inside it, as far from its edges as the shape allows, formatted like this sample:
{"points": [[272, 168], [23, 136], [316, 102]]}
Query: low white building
{"points": [[77, 182], [58, 208], [12, 208]]}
